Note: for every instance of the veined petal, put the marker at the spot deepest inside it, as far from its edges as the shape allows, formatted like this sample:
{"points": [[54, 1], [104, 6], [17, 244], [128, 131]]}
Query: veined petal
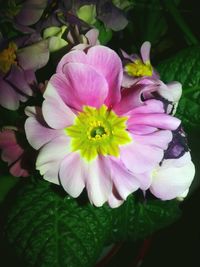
{"points": [[136, 157], [108, 63], [72, 174], [74, 56], [56, 113], [38, 134], [98, 182], [51, 156], [123, 179], [159, 139], [81, 85], [162, 121]]}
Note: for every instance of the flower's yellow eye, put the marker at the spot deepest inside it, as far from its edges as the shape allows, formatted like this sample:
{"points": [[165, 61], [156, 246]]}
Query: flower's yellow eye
{"points": [[8, 57], [98, 131], [139, 69]]}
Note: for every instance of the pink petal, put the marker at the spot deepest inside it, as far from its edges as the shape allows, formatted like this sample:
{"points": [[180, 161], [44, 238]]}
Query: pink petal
{"points": [[8, 97], [98, 182], [114, 202], [72, 178], [141, 129], [51, 156], [38, 134], [123, 179], [144, 179], [149, 106], [56, 113], [108, 63], [159, 139], [132, 97], [74, 56], [105, 61], [145, 51], [81, 86], [136, 157], [162, 121], [17, 170]]}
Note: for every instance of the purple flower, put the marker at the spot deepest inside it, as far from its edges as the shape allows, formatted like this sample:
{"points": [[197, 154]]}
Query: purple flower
{"points": [[17, 72]]}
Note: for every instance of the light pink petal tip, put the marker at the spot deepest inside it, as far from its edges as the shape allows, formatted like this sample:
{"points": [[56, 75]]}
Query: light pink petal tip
{"points": [[72, 178], [145, 51]]}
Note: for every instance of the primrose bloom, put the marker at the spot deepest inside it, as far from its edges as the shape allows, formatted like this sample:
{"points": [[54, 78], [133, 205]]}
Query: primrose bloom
{"points": [[91, 135], [136, 67]]}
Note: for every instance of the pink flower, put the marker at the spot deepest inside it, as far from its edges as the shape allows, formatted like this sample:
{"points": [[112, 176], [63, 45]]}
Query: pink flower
{"points": [[14, 154], [89, 134]]}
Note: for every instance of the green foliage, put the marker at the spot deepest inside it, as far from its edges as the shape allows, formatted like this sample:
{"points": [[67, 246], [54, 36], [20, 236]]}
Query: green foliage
{"points": [[48, 228], [185, 68], [105, 34]]}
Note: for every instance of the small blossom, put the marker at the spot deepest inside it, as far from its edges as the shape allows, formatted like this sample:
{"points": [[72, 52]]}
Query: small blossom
{"points": [[138, 66]]}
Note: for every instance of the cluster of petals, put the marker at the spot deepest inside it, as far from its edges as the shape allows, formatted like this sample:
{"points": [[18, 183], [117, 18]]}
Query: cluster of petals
{"points": [[93, 78]]}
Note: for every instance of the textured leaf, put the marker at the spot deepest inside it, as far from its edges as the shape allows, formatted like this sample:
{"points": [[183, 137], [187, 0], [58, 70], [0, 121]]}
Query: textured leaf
{"points": [[185, 68], [48, 228]]}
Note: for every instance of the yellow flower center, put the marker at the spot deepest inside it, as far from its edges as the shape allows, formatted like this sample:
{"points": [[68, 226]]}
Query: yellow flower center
{"points": [[8, 57], [98, 132], [139, 69]]}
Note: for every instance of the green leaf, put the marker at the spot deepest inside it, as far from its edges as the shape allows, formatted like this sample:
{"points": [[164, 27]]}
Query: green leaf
{"points": [[48, 228], [105, 34], [185, 68]]}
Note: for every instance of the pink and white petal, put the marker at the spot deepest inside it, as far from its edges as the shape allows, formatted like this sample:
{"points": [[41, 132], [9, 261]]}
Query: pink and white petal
{"points": [[51, 156], [72, 174], [172, 182], [145, 51], [144, 179], [98, 181], [38, 134], [74, 56], [81, 86], [162, 121], [107, 62], [159, 139], [141, 129], [136, 157], [56, 113], [114, 202], [124, 181], [9, 98], [149, 106]]}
